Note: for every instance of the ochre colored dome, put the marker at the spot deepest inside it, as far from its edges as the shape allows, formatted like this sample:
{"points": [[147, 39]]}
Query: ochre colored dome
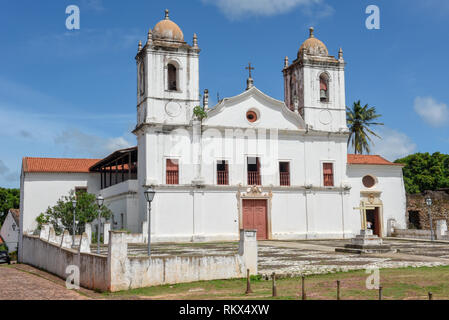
{"points": [[168, 30], [313, 46]]}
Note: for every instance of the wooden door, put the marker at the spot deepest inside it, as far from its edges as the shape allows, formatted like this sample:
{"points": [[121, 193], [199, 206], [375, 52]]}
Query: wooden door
{"points": [[255, 217]]}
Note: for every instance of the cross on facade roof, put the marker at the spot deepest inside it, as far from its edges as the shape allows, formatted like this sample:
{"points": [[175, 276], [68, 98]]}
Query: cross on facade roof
{"points": [[249, 68]]}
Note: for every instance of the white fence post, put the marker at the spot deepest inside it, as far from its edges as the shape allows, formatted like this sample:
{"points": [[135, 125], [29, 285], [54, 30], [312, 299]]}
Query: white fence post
{"points": [[52, 235], [45, 232], [441, 228], [144, 232], [106, 228], [117, 256], [66, 240], [84, 244], [391, 225], [248, 249], [88, 231]]}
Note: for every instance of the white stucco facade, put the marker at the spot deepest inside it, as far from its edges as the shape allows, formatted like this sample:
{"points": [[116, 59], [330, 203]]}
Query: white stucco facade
{"points": [[306, 135]]}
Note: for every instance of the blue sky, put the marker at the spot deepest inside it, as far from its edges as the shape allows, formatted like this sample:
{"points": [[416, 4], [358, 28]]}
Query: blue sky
{"points": [[73, 93]]}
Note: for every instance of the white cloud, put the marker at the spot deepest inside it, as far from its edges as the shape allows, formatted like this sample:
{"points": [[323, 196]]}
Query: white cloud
{"points": [[95, 5], [27, 131], [6, 173], [393, 145], [76, 141], [434, 113], [86, 41], [237, 9]]}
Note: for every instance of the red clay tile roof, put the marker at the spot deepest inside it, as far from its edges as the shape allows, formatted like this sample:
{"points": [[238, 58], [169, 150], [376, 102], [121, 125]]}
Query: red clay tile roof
{"points": [[15, 214], [58, 165], [370, 159]]}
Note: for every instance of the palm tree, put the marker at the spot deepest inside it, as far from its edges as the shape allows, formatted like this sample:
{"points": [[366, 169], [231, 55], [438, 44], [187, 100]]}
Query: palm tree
{"points": [[359, 120]]}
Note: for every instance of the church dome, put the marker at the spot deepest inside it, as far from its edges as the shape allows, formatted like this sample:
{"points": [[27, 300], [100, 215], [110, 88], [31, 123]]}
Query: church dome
{"points": [[313, 46], [168, 30]]}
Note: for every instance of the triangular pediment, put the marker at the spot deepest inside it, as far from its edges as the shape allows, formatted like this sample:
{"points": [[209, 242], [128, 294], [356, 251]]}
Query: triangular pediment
{"points": [[270, 112]]}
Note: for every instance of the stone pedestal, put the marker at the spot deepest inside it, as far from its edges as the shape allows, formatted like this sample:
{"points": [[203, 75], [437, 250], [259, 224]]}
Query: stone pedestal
{"points": [[366, 242]]}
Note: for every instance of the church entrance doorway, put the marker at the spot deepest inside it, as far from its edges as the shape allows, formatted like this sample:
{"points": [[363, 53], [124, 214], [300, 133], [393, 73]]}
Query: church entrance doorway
{"points": [[373, 219], [255, 217]]}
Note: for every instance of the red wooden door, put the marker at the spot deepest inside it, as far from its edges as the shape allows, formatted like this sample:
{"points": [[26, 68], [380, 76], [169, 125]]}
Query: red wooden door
{"points": [[255, 217]]}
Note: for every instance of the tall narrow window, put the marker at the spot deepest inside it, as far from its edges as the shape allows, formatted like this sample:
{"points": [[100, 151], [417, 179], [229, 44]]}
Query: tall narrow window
{"points": [[172, 172], [172, 78], [284, 173], [324, 88], [222, 173], [328, 174], [254, 171]]}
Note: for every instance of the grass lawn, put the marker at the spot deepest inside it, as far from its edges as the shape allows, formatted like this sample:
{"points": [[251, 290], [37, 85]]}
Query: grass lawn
{"points": [[398, 284]]}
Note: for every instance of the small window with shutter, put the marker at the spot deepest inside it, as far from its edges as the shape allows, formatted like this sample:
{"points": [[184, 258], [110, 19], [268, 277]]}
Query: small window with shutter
{"points": [[328, 174], [222, 173], [172, 171], [284, 173]]}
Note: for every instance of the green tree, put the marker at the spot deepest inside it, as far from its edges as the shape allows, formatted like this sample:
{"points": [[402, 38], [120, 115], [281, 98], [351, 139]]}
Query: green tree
{"points": [[424, 172], [359, 120], [9, 199], [61, 215]]}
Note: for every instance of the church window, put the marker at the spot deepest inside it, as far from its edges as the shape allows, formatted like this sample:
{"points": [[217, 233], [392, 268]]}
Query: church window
{"points": [[369, 181], [324, 88], [251, 116], [253, 169], [172, 77], [172, 172], [328, 174], [284, 173], [222, 173]]}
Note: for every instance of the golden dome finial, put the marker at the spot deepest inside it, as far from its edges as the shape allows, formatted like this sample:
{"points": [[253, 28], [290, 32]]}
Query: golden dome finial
{"points": [[167, 17], [311, 30]]}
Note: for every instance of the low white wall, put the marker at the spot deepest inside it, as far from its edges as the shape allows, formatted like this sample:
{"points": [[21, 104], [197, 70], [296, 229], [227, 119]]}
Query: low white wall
{"points": [[151, 271], [55, 259], [146, 272], [117, 271]]}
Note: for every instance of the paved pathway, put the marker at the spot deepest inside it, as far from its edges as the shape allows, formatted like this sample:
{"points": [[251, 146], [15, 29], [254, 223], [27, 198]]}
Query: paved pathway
{"points": [[16, 284]]}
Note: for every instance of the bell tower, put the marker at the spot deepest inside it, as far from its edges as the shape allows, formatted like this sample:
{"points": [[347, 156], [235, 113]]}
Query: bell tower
{"points": [[314, 86], [168, 76]]}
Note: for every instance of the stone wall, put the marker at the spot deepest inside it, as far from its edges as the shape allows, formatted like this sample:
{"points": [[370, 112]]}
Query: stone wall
{"points": [[117, 271], [440, 208]]}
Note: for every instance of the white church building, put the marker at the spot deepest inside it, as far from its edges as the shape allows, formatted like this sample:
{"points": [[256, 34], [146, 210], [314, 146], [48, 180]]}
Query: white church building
{"points": [[253, 162]]}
